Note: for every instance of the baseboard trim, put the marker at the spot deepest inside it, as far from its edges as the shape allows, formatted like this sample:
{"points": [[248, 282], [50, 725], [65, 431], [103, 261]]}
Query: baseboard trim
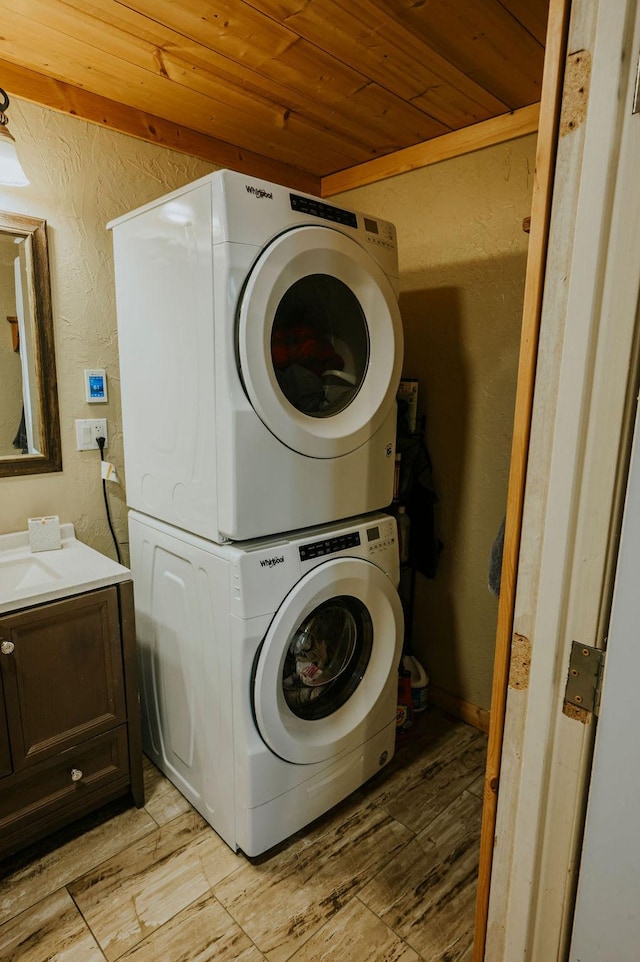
{"points": [[464, 710]]}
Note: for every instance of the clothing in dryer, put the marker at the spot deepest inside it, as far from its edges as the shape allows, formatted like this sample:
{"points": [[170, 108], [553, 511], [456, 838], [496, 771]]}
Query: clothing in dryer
{"points": [[319, 329]]}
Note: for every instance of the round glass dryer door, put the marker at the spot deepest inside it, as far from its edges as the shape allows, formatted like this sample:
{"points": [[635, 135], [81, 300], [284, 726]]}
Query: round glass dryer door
{"points": [[331, 652], [319, 345], [319, 341]]}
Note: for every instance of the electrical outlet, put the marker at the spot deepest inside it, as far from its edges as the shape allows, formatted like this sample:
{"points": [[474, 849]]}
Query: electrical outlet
{"points": [[87, 430]]}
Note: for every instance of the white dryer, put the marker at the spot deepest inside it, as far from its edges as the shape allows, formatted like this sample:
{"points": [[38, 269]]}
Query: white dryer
{"points": [[268, 669], [260, 351]]}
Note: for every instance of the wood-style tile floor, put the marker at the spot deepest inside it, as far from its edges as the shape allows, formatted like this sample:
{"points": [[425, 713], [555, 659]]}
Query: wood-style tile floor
{"points": [[387, 876]]}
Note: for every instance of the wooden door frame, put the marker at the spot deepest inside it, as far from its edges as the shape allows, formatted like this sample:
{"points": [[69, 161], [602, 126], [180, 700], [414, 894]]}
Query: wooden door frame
{"points": [[545, 118], [585, 383], [550, 105]]}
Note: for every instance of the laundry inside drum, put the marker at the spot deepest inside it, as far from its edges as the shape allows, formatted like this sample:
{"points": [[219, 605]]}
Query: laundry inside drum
{"points": [[326, 657]]}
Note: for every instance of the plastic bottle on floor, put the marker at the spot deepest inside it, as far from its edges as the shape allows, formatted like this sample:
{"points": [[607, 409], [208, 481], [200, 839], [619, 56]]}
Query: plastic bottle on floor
{"points": [[419, 682], [404, 710]]}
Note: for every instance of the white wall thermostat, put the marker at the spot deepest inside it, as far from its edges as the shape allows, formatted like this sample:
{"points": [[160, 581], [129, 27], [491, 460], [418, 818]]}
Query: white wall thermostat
{"points": [[95, 386]]}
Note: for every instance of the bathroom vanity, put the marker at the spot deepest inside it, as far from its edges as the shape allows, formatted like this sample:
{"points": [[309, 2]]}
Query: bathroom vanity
{"points": [[70, 736]]}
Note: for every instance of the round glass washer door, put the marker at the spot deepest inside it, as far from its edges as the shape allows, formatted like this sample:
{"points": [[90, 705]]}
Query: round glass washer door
{"points": [[327, 657], [319, 342], [330, 653]]}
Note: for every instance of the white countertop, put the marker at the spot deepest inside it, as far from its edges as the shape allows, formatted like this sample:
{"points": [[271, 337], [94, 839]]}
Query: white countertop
{"points": [[31, 578]]}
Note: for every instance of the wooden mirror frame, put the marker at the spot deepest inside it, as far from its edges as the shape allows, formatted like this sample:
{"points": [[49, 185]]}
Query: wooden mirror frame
{"points": [[50, 459]]}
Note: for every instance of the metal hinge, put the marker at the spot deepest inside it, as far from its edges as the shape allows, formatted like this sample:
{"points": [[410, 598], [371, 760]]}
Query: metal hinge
{"points": [[586, 670]]}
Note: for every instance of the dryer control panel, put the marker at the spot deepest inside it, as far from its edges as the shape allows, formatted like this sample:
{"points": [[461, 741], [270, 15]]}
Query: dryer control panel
{"points": [[309, 205], [378, 233]]}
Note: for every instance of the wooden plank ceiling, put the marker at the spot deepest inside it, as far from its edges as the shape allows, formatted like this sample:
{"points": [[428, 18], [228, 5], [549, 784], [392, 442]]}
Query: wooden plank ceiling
{"points": [[294, 90]]}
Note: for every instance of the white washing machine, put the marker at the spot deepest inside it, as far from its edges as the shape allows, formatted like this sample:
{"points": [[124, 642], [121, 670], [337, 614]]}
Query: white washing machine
{"points": [[268, 669], [260, 353]]}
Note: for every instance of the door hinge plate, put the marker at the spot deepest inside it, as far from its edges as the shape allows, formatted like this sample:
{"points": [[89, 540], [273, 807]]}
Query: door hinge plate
{"points": [[584, 684]]}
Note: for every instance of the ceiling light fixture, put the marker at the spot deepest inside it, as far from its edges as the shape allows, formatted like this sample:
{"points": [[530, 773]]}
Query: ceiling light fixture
{"points": [[11, 172]]}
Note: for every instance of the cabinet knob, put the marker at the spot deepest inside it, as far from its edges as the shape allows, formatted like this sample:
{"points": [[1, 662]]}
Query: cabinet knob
{"points": [[76, 774], [7, 647]]}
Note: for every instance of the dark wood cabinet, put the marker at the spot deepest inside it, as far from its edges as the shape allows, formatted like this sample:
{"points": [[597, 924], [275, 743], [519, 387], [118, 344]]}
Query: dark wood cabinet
{"points": [[70, 737], [5, 754]]}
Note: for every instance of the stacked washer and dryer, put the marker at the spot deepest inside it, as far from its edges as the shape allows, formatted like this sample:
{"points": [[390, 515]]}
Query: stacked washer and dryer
{"points": [[260, 354]]}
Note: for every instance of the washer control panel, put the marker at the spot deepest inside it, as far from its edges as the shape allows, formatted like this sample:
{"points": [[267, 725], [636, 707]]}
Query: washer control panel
{"points": [[369, 540], [319, 549], [381, 536]]}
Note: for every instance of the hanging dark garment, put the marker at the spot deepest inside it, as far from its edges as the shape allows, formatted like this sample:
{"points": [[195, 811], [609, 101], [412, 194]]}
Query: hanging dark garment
{"points": [[418, 495]]}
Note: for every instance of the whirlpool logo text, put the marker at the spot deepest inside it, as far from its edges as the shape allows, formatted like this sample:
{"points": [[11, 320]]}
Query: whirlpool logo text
{"points": [[270, 562], [259, 192]]}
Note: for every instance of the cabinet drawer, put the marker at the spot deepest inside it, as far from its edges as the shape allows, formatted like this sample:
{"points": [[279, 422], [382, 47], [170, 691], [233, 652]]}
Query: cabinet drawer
{"points": [[96, 764]]}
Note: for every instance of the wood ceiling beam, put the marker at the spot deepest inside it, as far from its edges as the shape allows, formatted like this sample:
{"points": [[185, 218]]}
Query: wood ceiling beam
{"points": [[65, 98], [485, 134]]}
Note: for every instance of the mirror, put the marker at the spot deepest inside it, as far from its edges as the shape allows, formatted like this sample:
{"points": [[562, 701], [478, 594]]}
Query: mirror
{"points": [[29, 422]]}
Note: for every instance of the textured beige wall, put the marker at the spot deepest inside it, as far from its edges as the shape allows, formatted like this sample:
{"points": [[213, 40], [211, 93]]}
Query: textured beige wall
{"points": [[82, 176], [462, 262]]}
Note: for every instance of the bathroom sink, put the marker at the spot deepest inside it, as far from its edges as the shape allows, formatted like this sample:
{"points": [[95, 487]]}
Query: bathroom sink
{"points": [[21, 573], [28, 578]]}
